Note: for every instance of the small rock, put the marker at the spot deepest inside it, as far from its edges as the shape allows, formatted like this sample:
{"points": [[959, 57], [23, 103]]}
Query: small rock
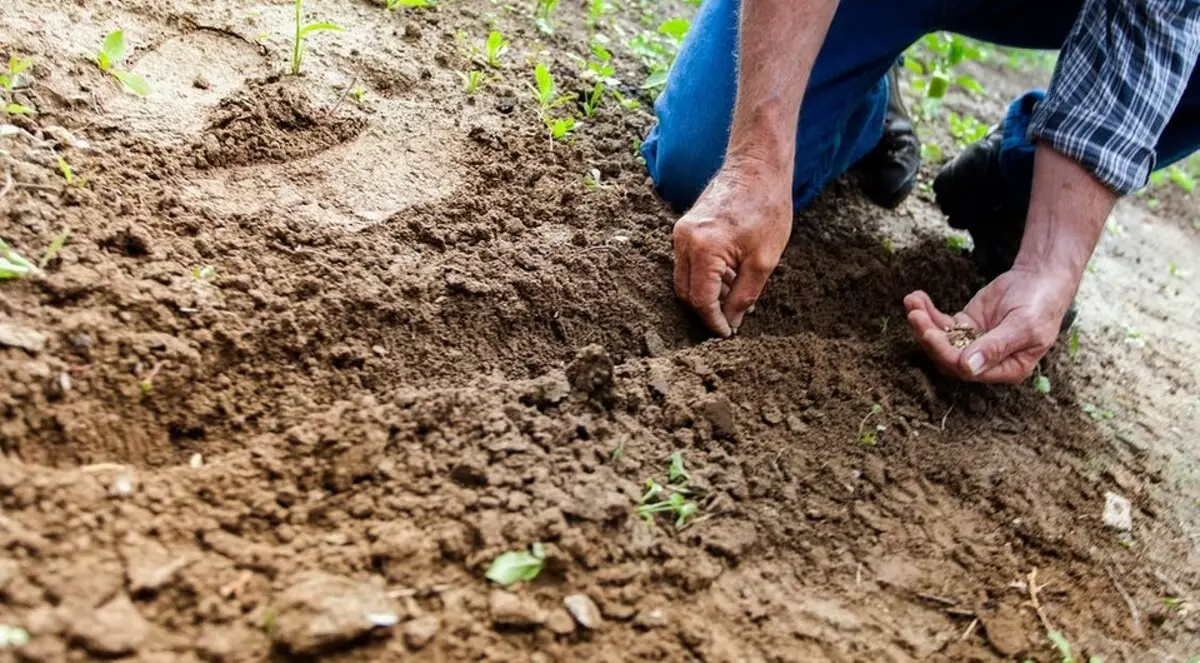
{"points": [[196, 461], [323, 611], [772, 415], [655, 346], [201, 83], [584, 610], [508, 609], [21, 337], [652, 618], [420, 631], [560, 622], [114, 629], [796, 424], [123, 484], [656, 379], [149, 567], [719, 412], [1118, 513], [1006, 631]]}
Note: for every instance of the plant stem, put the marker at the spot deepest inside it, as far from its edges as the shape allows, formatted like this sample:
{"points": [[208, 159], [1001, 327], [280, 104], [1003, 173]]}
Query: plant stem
{"points": [[296, 43]]}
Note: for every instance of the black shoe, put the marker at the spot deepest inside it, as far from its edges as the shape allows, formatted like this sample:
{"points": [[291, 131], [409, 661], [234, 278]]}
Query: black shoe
{"points": [[888, 173], [971, 192]]}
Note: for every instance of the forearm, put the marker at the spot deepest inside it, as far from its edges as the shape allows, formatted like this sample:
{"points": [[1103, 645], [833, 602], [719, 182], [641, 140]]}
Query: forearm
{"points": [[1067, 210], [778, 44]]}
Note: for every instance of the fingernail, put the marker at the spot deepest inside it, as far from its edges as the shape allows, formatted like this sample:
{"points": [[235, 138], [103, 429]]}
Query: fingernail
{"points": [[975, 362]]}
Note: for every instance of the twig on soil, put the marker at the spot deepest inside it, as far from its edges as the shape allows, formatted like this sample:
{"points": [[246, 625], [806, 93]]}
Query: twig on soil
{"points": [[1034, 588], [970, 629], [102, 467], [938, 599], [39, 187], [1133, 609], [345, 93]]}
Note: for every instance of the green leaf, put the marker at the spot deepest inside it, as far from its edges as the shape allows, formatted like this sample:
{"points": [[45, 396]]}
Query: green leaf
{"points": [[675, 28], [561, 127], [677, 471], [545, 84], [516, 566], [939, 82], [103, 61], [113, 49], [17, 66], [18, 109], [12, 264], [321, 26], [931, 152], [656, 79], [914, 66], [394, 4], [56, 245], [68, 173], [1041, 384], [136, 84], [1073, 344], [496, 45], [969, 83], [956, 243], [1061, 644]]}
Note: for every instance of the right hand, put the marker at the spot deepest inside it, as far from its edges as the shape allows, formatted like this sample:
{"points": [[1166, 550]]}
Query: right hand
{"points": [[728, 244]]}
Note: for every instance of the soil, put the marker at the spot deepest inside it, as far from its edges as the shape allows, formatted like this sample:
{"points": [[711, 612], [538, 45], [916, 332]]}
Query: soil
{"points": [[309, 363]]}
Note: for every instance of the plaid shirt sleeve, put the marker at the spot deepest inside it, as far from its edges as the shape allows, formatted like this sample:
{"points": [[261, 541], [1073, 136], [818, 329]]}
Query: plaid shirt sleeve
{"points": [[1119, 77]]}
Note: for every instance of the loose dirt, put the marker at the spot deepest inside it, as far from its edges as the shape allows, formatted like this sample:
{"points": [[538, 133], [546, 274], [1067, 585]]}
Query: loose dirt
{"points": [[425, 340]]}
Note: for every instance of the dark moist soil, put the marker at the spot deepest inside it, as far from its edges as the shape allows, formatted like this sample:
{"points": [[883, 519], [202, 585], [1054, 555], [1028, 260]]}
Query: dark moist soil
{"points": [[499, 361]]}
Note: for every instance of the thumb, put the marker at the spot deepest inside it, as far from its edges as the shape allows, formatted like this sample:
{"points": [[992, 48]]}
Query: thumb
{"points": [[995, 346], [752, 277]]}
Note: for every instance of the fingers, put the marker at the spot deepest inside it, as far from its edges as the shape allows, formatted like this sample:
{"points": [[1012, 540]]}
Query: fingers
{"points": [[683, 266], [705, 283], [919, 301], [933, 339], [749, 284], [1000, 354]]}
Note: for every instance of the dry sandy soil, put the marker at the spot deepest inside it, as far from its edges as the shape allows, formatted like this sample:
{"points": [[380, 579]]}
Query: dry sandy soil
{"points": [[424, 341]]}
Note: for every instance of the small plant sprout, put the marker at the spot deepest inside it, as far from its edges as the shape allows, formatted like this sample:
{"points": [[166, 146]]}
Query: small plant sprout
{"points": [[1095, 412], [472, 81], [56, 245], [494, 47], [542, 13], [561, 127], [546, 90], [675, 28], [1073, 344], [397, 4], [869, 437], [956, 242], [67, 171], [517, 565], [358, 94], [596, 11], [1064, 649], [1040, 383], [592, 101], [13, 265], [965, 129], [302, 31], [16, 67], [671, 498], [112, 53], [204, 273]]}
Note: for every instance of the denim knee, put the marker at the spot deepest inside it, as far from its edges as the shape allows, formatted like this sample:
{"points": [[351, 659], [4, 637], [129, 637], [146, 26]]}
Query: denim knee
{"points": [[680, 167]]}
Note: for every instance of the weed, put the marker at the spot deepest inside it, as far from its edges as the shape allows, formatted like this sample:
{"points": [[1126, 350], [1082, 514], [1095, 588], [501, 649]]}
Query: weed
{"points": [[112, 53], [1135, 338], [16, 66], [517, 565], [302, 31], [472, 81], [267, 623], [889, 247], [626, 102], [596, 11], [675, 28], [931, 152], [617, 453], [17, 109], [495, 46], [397, 4], [671, 498], [55, 247], [1179, 606], [869, 437], [542, 13], [12, 264], [1041, 383]]}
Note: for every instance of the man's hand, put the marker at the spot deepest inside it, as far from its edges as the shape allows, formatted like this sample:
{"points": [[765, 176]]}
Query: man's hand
{"points": [[1017, 317], [728, 244]]}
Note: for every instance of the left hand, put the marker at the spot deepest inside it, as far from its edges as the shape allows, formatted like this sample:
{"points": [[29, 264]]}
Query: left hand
{"points": [[1017, 317]]}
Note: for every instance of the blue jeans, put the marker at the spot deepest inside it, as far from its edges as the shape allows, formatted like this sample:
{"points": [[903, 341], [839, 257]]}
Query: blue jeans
{"points": [[846, 100]]}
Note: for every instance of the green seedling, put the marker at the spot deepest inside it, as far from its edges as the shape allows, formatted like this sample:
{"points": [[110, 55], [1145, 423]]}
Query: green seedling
{"points": [[112, 53], [1135, 338], [397, 4], [1096, 412], [16, 66], [869, 437], [472, 81], [517, 565], [1040, 383], [931, 152], [628, 103], [267, 623], [55, 247], [12, 264], [1181, 178], [932, 62], [956, 242], [302, 31], [204, 273], [1073, 344], [561, 127], [592, 101], [966, 129], [358, 94], [675, 28], [495, 46], [68, 173], [1177, 605], [596, 11], [1064, 648], [546, 90], [671, 498], [889, 247], [17, 109], [656, 51], [542, 13], [620, 450]]}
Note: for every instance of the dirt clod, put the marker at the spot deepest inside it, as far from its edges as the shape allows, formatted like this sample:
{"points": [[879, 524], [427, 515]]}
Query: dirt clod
{"points": [[420, 632], [322, 611], [114, 629], [15, 336], [560, 622], [508, 609], [718, 411], [591, 372]]}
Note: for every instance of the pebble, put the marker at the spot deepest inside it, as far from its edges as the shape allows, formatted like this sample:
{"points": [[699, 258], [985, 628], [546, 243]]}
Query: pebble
{"points": [[508, 609], [420, 631], [584, 610], [21, 337], [655, 346], [560, 622], [652, 618], [1118, 513]]}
